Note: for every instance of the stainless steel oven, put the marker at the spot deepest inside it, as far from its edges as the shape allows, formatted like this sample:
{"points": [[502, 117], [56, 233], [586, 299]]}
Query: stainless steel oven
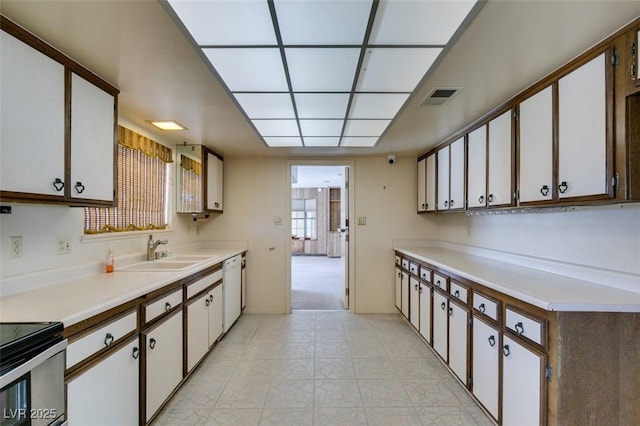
{"points": [[32, 363]]}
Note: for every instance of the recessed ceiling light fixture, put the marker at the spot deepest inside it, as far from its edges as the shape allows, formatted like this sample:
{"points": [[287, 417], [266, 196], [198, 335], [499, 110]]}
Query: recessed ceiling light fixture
{"points": [[167, 125]]}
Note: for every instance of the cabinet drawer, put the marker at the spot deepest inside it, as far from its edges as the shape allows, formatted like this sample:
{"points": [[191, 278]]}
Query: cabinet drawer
{"points": [[405, 264], [100, 339], [162, 305], [524, 326], [197, 286], [440, 281], [485, 306], [459, 292], [425, 274], [414, 268]]}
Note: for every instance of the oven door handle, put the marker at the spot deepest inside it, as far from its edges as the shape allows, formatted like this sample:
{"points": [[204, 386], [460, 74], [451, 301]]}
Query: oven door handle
{"points": [[23, 369]]}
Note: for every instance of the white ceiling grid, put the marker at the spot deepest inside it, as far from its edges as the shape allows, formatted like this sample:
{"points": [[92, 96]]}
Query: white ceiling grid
{"points": [[321, 73]]}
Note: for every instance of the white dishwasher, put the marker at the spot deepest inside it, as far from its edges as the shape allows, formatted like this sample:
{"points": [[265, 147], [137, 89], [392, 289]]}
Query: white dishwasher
{"points": [[231, 290]]}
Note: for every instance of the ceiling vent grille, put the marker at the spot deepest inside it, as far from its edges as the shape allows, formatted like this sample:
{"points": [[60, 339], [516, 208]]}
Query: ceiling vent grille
{"points": [[440, 95]]}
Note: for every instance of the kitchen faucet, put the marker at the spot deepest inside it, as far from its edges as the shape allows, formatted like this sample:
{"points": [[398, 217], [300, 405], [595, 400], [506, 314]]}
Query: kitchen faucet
{"points": [[152, 246]]}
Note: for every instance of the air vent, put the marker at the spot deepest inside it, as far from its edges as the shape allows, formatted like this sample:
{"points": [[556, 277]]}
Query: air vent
{"points": [[439, 95]]}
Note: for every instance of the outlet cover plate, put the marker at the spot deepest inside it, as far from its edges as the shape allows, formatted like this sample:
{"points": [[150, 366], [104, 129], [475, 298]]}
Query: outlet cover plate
{"points": [[15, 247]]}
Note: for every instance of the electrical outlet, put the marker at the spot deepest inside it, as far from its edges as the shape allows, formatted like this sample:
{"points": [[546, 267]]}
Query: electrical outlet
{"points": [[63, 245], [362, 221], [15, 247], [277, 220]]}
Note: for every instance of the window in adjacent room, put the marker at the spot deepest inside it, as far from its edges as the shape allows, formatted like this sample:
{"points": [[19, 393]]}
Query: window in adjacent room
{"points": [[304, 221], [142, 188]]}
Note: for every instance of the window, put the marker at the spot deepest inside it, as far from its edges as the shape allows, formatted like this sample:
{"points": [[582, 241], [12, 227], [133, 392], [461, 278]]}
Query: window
{"points": [[142, 188], [304, 221]]}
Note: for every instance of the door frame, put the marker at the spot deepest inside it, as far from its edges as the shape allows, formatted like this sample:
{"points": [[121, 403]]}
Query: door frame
{"points": [[350, 276]]}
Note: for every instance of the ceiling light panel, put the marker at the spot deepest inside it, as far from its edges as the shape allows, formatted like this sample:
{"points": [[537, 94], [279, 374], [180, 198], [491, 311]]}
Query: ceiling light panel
{"points": [[377, 105], [366, 127], [226, 22], [395, 70], [400, 22], [277, 127], [322, 105], [321, 127], [359, 142], [249, 69], [266, 105], [322, 69], [321, 141], [322, 22], [282, 141]]}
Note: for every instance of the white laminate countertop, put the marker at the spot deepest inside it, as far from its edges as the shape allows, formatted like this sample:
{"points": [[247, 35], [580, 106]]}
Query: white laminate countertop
{"points": [[546, 290], [80, 298]]}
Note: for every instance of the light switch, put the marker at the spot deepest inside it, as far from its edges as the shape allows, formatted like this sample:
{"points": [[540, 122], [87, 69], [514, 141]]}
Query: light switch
{"points": [[277, 220], [362, 221]]}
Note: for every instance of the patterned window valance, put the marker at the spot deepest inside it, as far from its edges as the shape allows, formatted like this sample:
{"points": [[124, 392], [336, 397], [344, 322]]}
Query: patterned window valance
{"points": [[188, 163], [148, 147]]}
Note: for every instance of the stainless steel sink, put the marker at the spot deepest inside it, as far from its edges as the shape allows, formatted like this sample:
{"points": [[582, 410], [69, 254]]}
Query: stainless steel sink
{"points": [[185, 258], [159, 265]]}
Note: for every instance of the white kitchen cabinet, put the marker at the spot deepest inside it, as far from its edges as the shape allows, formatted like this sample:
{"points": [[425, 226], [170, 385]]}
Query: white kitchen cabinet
{"points": [[204, 324], [443, 178], [414, 301], [425, 311], [458, 340], [536, 147], [500, 161], [477, 168], [32, 120], [398, 289], [215, 314], [486, 365], [430, 186], [522, 381], [405, 294], [107, 393], [440, 325], [582, 131], [92, 141], [422, 185], [163, 349], [215, 169], [244, 282], [457, 166]]}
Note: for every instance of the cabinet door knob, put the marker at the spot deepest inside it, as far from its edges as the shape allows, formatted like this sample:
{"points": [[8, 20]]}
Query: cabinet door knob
{"points": [[438, 283], [420, 290], [481, 199], [206, 302], [167, 307], [450, 203], [544, 190], [450, 311], [490, 198], [457, 294], [443, 306], [152, 343], [446, 203], [492, 341], [481, 308], [563, 187], [79, 187], [211, 298], [506, 351], [58, 184], [108, 339], [519, 328], [136, 353], [415, 287]]}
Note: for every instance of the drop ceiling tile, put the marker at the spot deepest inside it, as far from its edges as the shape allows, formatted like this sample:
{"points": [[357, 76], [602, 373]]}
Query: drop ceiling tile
{"points": [[249, 69], [283, 141], [321, 127], [321, 141], [377, 105], [366, 127], [418, 22], [322, 105], [366, 142], [322, 69], [277, 127], [395, 70], [266, 105], [322, 22], [226, 22]]}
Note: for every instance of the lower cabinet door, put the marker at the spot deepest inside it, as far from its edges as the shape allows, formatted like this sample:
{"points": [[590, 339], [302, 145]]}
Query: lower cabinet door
{"points": [[440, 318], [164, 361], [398, 289], [215, 314], [414, 302], [197, 330], [521, 384], [486, 361], [458, 338], [405, 295], [107, 393], [425, 312]]}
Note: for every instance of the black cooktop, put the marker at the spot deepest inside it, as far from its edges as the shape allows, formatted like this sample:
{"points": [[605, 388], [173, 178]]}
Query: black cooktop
{"points": [[25, 340]]}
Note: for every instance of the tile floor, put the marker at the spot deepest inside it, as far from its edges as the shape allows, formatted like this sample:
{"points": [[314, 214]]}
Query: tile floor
{"points": [[321, 368]]}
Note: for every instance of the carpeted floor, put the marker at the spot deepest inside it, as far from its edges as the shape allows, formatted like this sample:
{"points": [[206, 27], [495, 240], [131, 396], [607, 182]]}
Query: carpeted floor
{"points": [[317, 283]]}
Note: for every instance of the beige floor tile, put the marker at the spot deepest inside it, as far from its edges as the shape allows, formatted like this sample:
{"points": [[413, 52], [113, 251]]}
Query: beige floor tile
{"points": [[393, 416], [383, 393], [334, 368], [373, 368], [339, 417], [286, 417], [337, 393], [234, 417], [290, 394]]}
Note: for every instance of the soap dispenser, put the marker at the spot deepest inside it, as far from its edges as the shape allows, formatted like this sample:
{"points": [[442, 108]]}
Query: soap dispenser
{"points": [[109, 261]]}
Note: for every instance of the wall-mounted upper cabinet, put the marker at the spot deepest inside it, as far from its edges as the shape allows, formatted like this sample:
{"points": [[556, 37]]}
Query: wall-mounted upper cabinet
{"points": [[477, 168], [199, 180], [427, 183], [57, 124], [215, 169], [500, 162], [451, 171]]}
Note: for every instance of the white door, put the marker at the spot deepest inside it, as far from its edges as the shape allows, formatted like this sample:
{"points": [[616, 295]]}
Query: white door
{"points": [[107, 393], [443, 178], [422, 180], [399, 289], [457, 168], [215, 172], [414, 301], [197, 330], [536, 147], [430, 196], [500, 161], [425, 312], [486, 358], [458, 333], [215, 314], [405, 294], [582, 131], [477, 168], [440, 321], [521, 384]]}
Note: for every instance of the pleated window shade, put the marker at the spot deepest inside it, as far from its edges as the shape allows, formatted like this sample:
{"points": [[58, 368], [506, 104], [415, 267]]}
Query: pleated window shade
{"points": [[142, 202], [190, 185]]}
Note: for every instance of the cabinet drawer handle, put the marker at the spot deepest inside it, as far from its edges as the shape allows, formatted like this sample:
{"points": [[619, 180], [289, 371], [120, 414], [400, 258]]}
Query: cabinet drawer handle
{"points": [[490, 198], [152, 343], [481, 308], [167, 307], [506, 351], [563, 187], [58, 184], [457, 294], [206, 302], [519, 328], [544, 190], [216, 204], [438, 283], [108, 339], [443, 306], [136, 353], [492, 341], [450, 311], [481, 199], [79, 187]]}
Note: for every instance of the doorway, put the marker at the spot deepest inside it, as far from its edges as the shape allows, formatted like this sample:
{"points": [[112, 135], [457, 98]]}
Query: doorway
{"points": [[319, 250]]}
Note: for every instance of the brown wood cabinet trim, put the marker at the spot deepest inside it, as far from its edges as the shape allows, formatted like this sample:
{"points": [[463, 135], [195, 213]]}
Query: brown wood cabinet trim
{"points": [[542, 320], [465, 286], [467, 311], [143, 319], [91, 324], [201, 292], [498, 321]]}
